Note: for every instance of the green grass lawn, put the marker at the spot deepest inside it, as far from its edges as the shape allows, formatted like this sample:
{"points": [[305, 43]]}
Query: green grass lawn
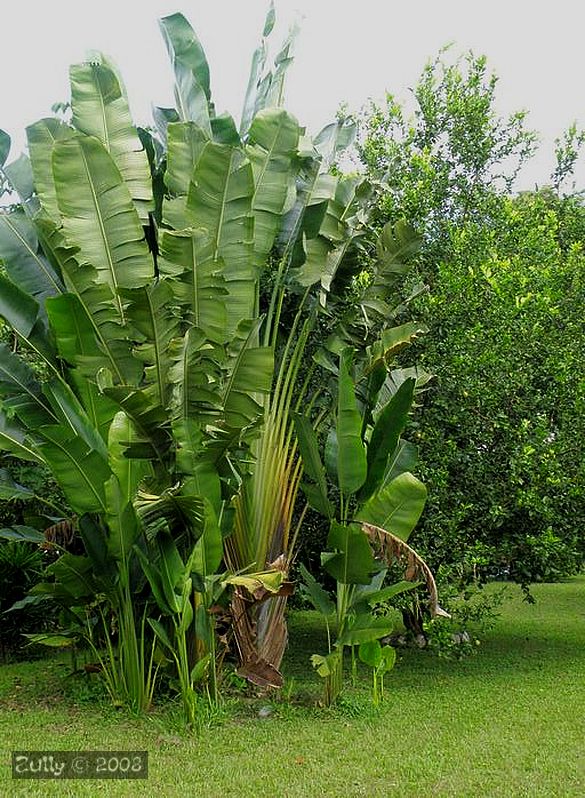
{"points": [[509, 721]]}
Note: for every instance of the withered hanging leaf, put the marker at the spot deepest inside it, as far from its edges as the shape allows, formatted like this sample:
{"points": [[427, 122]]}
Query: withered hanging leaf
{"points": [[394, 549]]}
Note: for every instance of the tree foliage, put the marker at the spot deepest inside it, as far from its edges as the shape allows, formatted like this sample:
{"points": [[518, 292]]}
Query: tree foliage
{"points": [[500, 427]]}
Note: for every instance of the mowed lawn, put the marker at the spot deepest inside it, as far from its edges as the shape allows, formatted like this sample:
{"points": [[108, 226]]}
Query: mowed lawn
{"points": [[509, 721]]}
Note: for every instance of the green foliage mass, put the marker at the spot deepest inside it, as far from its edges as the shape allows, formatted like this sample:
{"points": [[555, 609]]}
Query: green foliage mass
{"points": [[501, 429]]}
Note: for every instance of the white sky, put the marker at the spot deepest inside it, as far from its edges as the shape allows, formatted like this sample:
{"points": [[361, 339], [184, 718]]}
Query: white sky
{"points": [[348, 50]]}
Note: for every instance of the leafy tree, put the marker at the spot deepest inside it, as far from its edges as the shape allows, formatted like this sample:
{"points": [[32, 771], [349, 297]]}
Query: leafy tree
{"points": [[497, 429]]}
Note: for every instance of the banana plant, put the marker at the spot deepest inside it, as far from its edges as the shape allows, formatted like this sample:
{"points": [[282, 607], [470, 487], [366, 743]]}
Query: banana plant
{"points": [[173, 283], [134, 262], [379, 502]]}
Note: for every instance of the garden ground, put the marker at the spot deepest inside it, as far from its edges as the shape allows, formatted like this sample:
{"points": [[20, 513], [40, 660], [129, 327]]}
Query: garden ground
{"points": [[509, 721]]}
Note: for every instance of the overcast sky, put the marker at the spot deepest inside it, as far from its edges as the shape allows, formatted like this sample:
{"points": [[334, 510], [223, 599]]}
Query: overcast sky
{"points": [[347, 52]]}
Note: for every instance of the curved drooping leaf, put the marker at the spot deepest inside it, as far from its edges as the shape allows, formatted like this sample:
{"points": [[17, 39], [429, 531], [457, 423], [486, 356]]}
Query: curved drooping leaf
{"points": [[333, 139], [385, 435], [99, 218], [192, 88], [21, 392], [351, 453], [69, 411], [392, 340], [13, 441], [394, 550], [396, 507], [18, 308], [25, 264], [22, 533], [11, 490], [41, 138], [80, 470], [100, 109], [20, 177]]}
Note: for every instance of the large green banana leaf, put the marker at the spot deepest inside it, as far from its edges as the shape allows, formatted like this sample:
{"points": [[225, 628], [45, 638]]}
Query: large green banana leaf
{"points": [[250, 108], [351, 453], [196, 377], [199, 284], [128, 471], [98, 216], [13, 441], [385, 435], [18, 308], [21, 393], [100, 109], [396, 507], [80, 470], [272, 145], [185, 143], [220, 200], [41, 138], [192, 88], [25, 264], [349, 558], [151, 313], [88, 338]]}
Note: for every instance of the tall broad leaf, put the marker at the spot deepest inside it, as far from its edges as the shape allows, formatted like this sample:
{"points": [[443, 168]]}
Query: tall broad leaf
{"points": [[4, 147], [256, 70], [349, 557], [99, 218], [272, 144], [385, 436], [192, 88], [220, 200], [18, 308], [251, 370], [88, 338], [41, 138], [129, 472], [100, 109], [185, 143], [151, 313], [351, 453], [397, 506], [198, 283]]}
